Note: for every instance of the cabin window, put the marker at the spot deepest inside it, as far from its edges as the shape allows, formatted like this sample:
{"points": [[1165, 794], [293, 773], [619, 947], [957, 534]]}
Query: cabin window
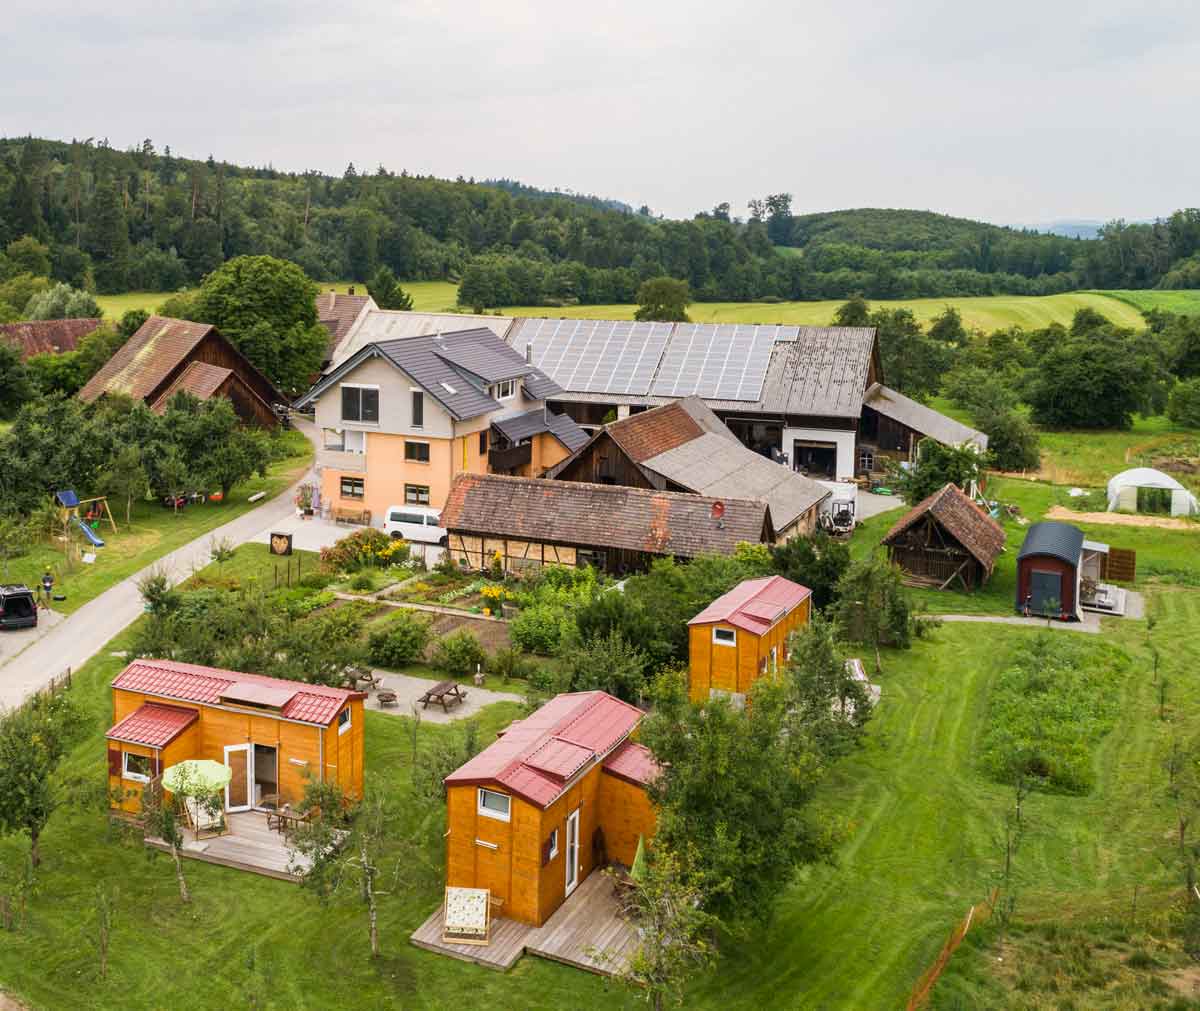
{"points": [[494, 805], [552, 846], [416, 452], [505, 390], [353, 487], [866, 460], [725, 636], [418, 409], [344, 720], [774, 659], [416, 494], [483, 441], [136, 767], [360, 403]]}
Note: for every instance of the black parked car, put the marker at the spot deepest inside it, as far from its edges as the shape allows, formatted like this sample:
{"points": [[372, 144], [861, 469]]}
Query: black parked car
{"points": [[18, 607]]}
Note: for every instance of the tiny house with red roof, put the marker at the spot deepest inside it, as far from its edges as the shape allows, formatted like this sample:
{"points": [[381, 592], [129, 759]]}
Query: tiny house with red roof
{"points": [[273, 734], [557, 795], [742, 635]]}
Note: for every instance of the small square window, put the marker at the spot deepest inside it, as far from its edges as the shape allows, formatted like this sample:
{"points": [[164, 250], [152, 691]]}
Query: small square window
{"points": [[416, 494], [494, 805], [416, 452], [344, 720], [136, 767], [866, 460], [553, 845], [725, 636], [505, 390], [353, 487], [360, 403]]}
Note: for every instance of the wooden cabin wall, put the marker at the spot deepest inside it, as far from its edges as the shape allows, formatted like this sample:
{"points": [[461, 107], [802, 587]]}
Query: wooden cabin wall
{"points": [[604, 462], [126, 794], [1046, 563], [735, 668], [584, 795], [344, 753], [625, 815]]}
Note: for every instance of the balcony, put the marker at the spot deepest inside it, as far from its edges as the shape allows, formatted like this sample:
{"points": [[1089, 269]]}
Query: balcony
{"points": [[502, 460], [339, 459]]}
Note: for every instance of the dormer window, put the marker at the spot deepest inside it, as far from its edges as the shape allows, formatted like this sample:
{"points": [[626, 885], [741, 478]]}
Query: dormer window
{"points": [[505, 390]]}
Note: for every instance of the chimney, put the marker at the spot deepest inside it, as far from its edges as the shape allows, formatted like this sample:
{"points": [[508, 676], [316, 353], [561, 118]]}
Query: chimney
{"points": [[529, 352]]}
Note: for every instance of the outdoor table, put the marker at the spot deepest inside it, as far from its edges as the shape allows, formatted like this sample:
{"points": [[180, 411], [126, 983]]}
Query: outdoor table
{"points": [[448, 693]]}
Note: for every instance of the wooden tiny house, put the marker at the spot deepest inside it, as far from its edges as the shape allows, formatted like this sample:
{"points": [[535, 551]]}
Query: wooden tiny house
{"points": [[742, 635], [273, 734], [559, 794]]}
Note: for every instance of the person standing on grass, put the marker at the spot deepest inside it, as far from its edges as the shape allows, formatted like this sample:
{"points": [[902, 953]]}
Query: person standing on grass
{"points": [[47, 587]]}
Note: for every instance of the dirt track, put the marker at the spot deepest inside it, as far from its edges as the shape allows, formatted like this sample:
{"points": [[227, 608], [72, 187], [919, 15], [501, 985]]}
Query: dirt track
{"points": [[1121, 519]]}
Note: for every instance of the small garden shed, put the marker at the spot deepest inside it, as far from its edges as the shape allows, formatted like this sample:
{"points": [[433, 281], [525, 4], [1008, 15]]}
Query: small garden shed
{"points": [[1050, 570], [946, 537]]}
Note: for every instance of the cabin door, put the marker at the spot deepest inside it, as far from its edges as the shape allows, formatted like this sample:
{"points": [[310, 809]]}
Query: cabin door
{"points": [[1043, 587], [237, 793], [572, 854]]}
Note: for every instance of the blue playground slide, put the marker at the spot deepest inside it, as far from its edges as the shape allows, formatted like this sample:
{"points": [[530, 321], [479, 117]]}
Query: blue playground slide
{"points": [[89, 533]]}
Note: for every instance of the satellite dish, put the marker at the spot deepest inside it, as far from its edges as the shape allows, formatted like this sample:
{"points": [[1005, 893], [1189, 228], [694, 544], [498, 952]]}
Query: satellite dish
{"points": [[718, 510]]}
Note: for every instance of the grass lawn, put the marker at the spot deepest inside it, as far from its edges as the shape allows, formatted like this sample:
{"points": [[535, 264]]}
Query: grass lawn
{"points": [[1186, 303], [153, 532]]}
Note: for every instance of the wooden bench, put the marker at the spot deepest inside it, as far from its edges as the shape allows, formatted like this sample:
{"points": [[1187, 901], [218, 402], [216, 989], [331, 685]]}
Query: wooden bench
{"points": [[344, 514], [448, 693]]}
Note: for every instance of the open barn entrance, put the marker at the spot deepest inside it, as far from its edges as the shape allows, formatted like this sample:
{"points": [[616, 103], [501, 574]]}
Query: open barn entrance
{"points": [[816, 459]]}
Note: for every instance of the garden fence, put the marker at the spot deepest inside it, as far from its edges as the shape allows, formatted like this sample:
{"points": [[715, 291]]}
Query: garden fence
{"points": [[975, 915]]}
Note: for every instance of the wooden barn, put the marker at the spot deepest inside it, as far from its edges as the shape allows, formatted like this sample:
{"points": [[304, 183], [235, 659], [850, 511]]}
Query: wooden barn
{"points": [[558, 795], [166, 356], [273, 734], [47, 336], [530, 522], [742, 636], [1050, 570], [944, 538]]}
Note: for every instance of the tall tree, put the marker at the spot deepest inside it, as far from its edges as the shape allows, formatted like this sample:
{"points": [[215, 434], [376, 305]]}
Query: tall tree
{"points": [[664, 299], [108, 238], [386, 292], [874, 607]]}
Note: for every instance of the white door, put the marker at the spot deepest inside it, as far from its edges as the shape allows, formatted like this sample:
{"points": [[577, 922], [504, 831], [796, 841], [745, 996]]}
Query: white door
{"points": [[572, 854], [240, 759]]}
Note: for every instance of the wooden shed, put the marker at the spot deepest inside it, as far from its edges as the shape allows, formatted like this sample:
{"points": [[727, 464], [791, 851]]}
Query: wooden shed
{"points": [[558, 795], [742, 636], [273, 734], [1050, 570], [946, 537]]}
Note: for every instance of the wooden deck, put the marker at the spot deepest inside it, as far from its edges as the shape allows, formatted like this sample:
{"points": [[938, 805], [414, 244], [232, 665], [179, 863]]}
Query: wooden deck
{"points": [[587, 931], [248, 846]]}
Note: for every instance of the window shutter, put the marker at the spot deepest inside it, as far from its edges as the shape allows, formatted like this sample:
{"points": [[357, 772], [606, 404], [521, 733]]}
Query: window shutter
{"points": [[114, 761]]}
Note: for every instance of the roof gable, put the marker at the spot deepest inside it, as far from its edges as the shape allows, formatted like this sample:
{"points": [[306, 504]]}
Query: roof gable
{"points": [[144, 361], [339, 312], [962, 518], [199, 379], [1058, 540], [153, 725]]}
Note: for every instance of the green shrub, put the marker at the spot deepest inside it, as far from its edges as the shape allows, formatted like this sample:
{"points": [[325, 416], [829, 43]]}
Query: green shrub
{"points": [[363, 581], [539, 629], [511, 664], [317, 580], [1183, 407], [400, 641], [458, 654]]}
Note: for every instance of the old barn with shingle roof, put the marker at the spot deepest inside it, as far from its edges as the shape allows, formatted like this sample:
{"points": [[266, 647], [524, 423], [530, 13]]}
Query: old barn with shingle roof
{"points": [[946, 537], [531, 522], [166, 356], [47, 336]]}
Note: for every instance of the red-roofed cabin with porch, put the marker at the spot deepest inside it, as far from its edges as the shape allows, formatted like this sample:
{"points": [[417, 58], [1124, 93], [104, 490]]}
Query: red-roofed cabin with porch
{"points": [[273, 734], [559, 794], [742, 635]]}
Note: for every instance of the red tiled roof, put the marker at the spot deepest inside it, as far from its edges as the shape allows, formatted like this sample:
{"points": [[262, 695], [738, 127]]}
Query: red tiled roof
{"points": [[633, 762], [194, 683], [153, 725], [755, 604], [959, 516], [199, 379], [338, 312], [602, 515], [536, 757], [652, 432], [47, 336], [146, 359]]}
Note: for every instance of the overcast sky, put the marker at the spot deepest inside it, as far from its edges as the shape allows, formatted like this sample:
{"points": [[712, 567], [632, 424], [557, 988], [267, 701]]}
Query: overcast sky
{"points": [[1016, 112]]}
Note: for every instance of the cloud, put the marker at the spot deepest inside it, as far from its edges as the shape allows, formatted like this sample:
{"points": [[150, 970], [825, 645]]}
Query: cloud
{"points": [[1016, 113]]}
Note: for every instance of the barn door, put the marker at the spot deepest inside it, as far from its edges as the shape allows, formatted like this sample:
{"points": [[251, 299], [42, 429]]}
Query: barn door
{"points": [[1044, 586]]}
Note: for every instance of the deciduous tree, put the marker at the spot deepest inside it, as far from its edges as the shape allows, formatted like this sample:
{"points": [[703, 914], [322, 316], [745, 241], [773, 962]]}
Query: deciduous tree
{"points": [[663, 298]]}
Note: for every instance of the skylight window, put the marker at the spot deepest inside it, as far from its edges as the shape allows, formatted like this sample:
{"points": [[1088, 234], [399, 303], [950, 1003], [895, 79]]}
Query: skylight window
{"points": [[448, 388]]}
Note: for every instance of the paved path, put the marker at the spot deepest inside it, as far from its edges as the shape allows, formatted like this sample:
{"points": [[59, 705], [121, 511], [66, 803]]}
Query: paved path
{"points": [[870, 504], [72, 642], [408, 689], [1090, 623], [454, 612]]}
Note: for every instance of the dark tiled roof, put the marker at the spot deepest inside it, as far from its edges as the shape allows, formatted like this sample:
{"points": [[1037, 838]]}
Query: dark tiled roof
{"points": [[541, 387], [338, 313], [524, 426], [147, 358], [536, 757], [153, 725], [479, 352], [966, 522], [199, 379], [194, 683], [47, 336], [601, 515], [1058, 540]]}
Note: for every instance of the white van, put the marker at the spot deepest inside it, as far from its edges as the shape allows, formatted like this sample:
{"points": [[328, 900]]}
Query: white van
{"points": [[415, 523]]}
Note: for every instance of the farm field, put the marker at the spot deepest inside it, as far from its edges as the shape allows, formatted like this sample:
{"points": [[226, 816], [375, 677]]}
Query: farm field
{"points": [[1186, 303]]}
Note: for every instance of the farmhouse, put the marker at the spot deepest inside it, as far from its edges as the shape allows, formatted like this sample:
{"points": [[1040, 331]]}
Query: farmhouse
{"points": [[272, 734], [742, 636], [561, 793], [684, 446], [338, 313], [946, 537], [400, 418], [166, 356], [795, 394], [529, 522], [47, 336]]}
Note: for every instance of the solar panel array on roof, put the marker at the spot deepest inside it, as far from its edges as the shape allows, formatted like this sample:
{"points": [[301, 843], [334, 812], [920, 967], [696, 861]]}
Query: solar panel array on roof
{"points": [[718, 361], [595, 355]]}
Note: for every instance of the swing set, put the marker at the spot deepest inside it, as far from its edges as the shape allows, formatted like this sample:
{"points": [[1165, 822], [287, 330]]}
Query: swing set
{"points": [[86, 514]]}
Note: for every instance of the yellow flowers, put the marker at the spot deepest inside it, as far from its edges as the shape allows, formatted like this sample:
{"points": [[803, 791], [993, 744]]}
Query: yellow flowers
{"points": [[492, 593]]}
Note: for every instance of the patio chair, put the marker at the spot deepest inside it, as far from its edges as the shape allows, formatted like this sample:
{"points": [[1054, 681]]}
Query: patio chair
{"points": [[204, 822]]}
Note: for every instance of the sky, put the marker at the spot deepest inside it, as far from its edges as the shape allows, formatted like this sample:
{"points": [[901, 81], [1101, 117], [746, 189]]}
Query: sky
{"points": [[1022, 112]]}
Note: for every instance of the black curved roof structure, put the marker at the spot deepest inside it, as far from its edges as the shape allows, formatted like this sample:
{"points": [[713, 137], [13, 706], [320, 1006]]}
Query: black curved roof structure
{"points": [[1058, 540]]}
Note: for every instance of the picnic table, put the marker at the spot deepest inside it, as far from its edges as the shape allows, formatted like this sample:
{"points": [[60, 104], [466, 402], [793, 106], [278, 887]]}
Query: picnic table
{"points": [[448, 693], [285, 819]]}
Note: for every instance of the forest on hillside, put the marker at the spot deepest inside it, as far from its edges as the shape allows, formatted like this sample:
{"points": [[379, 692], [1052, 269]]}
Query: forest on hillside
{"points": [[144, 219]]}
